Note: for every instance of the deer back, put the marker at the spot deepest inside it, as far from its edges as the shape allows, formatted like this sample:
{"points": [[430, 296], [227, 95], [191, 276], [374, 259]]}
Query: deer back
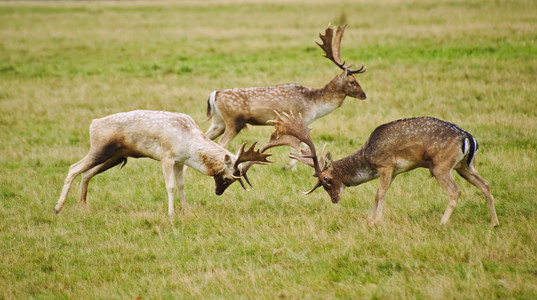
{"points": [[156, 134], [417, 142]]}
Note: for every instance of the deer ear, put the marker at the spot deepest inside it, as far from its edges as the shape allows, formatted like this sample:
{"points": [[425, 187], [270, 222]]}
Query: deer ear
{"points": [[328, 161], [228, 161]]}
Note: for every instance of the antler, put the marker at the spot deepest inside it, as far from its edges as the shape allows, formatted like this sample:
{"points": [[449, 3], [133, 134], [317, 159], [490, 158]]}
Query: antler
{"points": [[295, 128], [250, 155], [291, 132], [253, 157], [332, 47], [305, 157]]}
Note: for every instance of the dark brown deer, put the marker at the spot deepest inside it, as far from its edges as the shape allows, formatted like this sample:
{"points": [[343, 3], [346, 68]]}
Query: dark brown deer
{"points": [[232, 109], [174, 139], [391, 149]]}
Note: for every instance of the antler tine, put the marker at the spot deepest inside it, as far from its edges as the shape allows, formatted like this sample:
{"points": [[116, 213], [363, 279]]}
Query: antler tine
{"points": [[297, 128], [332, 47], [285, 140], [328, 46], [361, 70], [250, 155], [314, 188]]}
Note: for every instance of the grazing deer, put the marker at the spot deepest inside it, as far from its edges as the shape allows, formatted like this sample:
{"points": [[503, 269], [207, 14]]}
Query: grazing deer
{"points": [[232, 109], [174, 139], [391, 149]]}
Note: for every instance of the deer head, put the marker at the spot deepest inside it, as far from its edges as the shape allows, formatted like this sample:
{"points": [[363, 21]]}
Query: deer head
{"points": [[233, 171]]}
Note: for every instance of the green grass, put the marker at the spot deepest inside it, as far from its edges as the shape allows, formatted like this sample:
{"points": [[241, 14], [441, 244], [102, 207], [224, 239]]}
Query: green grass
{"points": [[63, 64]]}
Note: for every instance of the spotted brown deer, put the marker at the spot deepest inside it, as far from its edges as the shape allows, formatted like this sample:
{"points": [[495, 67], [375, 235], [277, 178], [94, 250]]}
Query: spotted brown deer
{"points": [[391, 149], [232, 109], [174, 139]]}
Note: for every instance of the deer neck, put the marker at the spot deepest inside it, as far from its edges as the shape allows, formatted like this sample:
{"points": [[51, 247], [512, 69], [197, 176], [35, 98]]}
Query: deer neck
{"points": [[355, 169], [326, 99], [208, 158]]}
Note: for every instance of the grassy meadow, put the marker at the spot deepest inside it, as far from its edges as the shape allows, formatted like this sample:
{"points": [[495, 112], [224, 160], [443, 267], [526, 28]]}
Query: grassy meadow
{"points": [[62, 64]]}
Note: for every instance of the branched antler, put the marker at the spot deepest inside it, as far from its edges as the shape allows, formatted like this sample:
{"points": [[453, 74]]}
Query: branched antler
{"points": [[250, 155], [297, 128], [292, 131], [253, 157], [332, 47]]}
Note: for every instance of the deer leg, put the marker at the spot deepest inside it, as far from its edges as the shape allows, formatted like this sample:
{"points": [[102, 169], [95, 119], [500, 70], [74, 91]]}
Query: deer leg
{"points": [[386, 176], [232, 129], [168, 166], [217, 127], [292, 165], [91, 160], [226, 138], [471, 175], [179, 181], [89, 174], [444, 177]]}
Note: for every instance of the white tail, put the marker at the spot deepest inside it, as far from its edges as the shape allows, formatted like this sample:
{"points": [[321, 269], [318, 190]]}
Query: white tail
{"points": [[392, 149], [232, 109], [172, 138]]}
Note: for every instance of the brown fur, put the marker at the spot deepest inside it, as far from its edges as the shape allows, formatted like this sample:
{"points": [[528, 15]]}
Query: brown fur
{"points": [[392, 149], [232, 109]]}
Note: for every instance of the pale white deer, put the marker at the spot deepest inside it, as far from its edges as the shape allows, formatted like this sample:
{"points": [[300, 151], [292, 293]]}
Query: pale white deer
{"points": [[391, 149], [174, 139], [232, 109]]}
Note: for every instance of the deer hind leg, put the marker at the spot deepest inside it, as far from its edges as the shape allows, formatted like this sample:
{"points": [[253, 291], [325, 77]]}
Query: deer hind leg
{"points": [[231, 132], [168, 166], [89, 174], [91, 160], [444, 177], [386, 177], [217, 127], [471, 175]]}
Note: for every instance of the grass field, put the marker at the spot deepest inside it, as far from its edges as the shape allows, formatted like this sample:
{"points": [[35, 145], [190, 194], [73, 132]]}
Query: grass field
{"points": [[62, 64]]}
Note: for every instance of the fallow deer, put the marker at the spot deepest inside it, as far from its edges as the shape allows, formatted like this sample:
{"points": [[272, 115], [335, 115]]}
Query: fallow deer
{"points": [[232, 109], [391, 149], [174, 139]]}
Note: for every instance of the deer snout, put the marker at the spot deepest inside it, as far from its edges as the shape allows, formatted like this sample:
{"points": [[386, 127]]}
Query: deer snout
{"points": [[335, 201], [360, 95]]}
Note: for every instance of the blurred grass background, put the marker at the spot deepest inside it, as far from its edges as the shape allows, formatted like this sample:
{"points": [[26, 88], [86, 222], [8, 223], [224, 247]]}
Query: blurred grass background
{"points": [[62, 64]]}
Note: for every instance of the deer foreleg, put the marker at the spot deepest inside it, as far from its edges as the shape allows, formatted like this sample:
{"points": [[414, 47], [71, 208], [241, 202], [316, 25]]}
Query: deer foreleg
{"points": [[168, 166], [179, 181], [386, 176], [292, 165], [445, 178]]}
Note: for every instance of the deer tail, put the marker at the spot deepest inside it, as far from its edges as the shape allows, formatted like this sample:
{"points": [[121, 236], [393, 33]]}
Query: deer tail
{"points": [[469, 145], [210, 105]]}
